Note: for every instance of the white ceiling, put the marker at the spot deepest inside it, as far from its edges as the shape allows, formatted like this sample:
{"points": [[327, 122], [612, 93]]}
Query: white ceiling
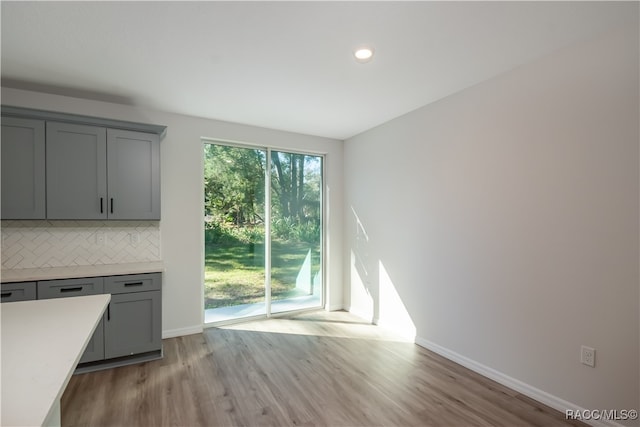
{"points": [[285, 65]]}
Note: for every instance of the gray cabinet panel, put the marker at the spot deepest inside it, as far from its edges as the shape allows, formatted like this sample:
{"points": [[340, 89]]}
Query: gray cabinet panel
{"points": [[76, 171], [133, 175], [133, 283], [75, 288], [70, 288], [23, 169], [133, 324], [54, 116], [23, 291], [95, 347], [62, 170]]}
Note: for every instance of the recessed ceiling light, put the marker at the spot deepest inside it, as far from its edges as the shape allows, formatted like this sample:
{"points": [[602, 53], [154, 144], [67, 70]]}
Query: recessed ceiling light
{"points": [[363, 54]]}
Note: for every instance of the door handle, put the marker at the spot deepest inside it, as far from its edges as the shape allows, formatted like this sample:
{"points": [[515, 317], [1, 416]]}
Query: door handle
{"points": [[133, 284]]}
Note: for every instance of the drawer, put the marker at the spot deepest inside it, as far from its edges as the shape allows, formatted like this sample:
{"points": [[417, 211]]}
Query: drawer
{"points": [[23, 291], [70, 287], [133, 283]]}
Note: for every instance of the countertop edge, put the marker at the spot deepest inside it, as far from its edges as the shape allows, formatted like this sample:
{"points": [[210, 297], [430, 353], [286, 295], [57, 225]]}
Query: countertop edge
{"points": [[73, 272]]}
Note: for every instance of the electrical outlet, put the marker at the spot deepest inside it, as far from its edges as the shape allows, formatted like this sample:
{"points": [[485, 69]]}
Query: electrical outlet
{"points": [[134, 238], [100, 238], [588, 356]]}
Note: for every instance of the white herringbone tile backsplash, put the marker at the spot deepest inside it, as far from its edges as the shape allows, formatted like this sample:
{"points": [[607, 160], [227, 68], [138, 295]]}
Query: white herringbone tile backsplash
{"points": [[32, 244]]}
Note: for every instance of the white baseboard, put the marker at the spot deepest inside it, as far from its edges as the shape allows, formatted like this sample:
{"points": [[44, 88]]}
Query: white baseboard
{"points": [[334, 307], [514, 384], [172, 333], [364, 314], [406, 332]]}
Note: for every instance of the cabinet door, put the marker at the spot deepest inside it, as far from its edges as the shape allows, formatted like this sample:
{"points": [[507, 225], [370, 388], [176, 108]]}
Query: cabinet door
{"points": [[23, 169], [95, 347], [74, 288], [76, 171], [133, 175], [23, 291], [133, 324]]}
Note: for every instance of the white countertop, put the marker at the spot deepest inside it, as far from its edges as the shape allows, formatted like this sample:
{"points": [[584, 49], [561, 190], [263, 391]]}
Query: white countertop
{"points": [[51, 273], [42, 342]]}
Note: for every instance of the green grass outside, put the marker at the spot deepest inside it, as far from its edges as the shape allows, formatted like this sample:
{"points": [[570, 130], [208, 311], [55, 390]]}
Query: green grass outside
{"points": [[234, 272]]}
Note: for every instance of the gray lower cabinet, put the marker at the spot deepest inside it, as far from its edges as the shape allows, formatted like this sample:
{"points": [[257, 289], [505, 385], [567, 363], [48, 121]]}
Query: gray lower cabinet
{"points": [[23, 291], [134, 319], [132, 323], [75, 288], [70, 287], [23, 169]]}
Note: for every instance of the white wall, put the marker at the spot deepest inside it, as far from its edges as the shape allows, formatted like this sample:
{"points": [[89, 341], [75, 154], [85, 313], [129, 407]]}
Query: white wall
{"points": [[181, 227], [500, 225]]}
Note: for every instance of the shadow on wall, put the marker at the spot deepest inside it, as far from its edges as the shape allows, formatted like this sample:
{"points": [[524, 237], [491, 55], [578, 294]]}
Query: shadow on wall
{"points": [[373, 293]]}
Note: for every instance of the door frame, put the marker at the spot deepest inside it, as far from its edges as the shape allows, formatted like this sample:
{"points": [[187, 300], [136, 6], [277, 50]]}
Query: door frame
{"points": [[323, 232]]}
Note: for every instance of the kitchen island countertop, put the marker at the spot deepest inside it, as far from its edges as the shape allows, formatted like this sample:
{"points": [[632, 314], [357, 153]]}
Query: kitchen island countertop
{"points": [[42, 342]]}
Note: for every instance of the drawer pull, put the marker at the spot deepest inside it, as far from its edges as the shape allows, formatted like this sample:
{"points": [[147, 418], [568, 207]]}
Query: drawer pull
{"points": [[79, 288], [6, 294], [133, 284]]}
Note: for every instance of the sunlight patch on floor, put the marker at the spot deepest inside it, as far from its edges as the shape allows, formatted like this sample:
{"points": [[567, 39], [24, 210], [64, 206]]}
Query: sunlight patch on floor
{"points": [[337, 324]]}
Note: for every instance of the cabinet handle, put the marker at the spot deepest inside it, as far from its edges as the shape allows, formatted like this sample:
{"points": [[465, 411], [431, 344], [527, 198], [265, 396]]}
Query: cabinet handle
{"points": [[79, 288], [133, 284], [6, 294], [109, 312], [112, 205], [101, 205]]}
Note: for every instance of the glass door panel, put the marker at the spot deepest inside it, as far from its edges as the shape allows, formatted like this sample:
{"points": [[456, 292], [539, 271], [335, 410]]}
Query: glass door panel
{"points": [[234, 250], [296, 231]]}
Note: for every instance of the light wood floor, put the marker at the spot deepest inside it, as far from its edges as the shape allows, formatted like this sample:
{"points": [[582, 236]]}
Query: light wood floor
{"points": [[317, 368]]}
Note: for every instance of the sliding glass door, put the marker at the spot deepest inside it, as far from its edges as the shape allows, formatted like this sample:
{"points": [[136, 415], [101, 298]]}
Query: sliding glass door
{"points": [[234, 232], [263, 232], [296, 231]]}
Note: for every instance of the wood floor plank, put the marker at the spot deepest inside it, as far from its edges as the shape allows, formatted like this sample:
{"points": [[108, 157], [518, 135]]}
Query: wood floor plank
{"points": [[312, 369]]}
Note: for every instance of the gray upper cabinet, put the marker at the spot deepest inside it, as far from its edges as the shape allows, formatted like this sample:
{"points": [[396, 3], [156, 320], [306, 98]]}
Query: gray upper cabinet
{"points": [[76, 171], [23, 169], [133, 163], [67, 166], [99, 173]]}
